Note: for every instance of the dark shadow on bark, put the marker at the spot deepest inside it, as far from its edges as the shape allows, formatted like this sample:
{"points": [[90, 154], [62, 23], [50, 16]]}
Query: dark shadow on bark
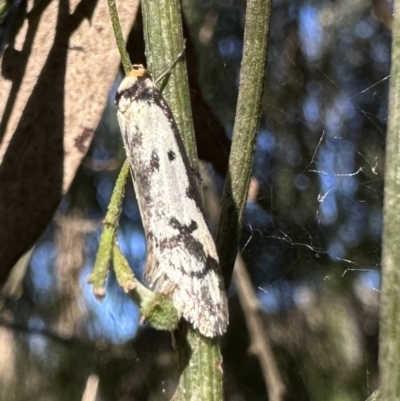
{"points": [[31, 174]]}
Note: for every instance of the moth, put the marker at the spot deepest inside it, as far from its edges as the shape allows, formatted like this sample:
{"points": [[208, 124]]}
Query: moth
{"points": [[182, 260]]}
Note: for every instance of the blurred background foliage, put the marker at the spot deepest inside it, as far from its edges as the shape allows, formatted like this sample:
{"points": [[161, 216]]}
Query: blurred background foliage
{"points": [[311, 236]]}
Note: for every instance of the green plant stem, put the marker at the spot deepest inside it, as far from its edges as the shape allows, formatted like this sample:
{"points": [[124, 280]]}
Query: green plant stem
{"points": [[389, 341], [200, 358], [164, 41], [119, 36], [104, 253], [201, 378], [245, 131], [156, 308], [375, 396]]}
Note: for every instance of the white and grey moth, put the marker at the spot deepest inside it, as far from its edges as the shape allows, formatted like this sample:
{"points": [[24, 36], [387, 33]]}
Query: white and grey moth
{"points": [[182, 261]]}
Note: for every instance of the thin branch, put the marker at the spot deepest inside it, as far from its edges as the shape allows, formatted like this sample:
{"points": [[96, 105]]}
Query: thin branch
{"points": [[245, 131], [91, 389], [104, 253], [200, 357], [375, 396], [389, 339], [201, 360], [119, 36], [259, 345], [164, 42], [155, 308]]}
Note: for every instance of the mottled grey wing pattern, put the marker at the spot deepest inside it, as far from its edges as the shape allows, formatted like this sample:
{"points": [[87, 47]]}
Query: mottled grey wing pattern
{"points": [[181, 257]]}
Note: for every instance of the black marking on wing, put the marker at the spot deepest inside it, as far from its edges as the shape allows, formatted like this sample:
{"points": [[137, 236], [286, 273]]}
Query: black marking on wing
{"points": [[185, 238], [194, 247], [143, 181], [196, 174], [192, 189], [154, 161], [174, 223], [142, 89], [134, 138], [211, 265], [171, 155], [191, 192], [194, 192]]}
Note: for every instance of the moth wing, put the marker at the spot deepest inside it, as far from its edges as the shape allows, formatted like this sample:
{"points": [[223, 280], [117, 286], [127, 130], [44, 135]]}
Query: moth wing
{"points": [[181, 256]]}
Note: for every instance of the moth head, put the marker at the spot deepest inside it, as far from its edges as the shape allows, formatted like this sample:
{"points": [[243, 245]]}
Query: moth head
{"points": [[137, 73], [138, 70]]}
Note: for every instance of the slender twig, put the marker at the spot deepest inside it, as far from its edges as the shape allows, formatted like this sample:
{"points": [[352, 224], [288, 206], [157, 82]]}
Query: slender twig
{"points": [[154, 307], [104, 253], [245, 130], [99, 274], [389, 338], [168, 70], [259, 345], [375, 396], [91, 389], [119, 36]]}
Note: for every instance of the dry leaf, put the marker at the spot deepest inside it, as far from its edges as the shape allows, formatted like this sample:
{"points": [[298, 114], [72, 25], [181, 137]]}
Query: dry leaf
{"points": [[55, 80]]}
